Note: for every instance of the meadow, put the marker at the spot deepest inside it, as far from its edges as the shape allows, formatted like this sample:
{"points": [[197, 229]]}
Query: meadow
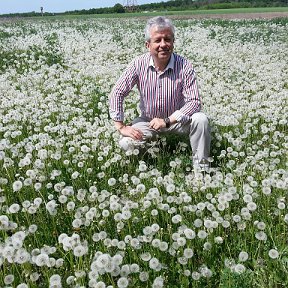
{"points": [[76, 211]]}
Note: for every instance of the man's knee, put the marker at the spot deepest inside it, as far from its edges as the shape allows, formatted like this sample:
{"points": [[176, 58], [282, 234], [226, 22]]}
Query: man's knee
{"points": [[200, 119]]}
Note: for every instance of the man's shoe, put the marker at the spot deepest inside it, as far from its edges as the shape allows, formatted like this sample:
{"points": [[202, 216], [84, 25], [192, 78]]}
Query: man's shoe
{"points": [[201, 166]]}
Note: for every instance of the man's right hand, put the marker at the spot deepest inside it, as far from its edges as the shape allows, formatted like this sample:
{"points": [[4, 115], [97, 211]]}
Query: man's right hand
{"points": [[129, 131]]}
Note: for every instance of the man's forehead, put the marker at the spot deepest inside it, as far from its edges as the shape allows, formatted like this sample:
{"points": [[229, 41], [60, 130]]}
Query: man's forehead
{"points": [[161, 30]]}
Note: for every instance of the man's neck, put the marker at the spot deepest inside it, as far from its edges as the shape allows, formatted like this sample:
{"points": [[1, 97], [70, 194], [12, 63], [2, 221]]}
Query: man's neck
{"points": [[161, 66]]}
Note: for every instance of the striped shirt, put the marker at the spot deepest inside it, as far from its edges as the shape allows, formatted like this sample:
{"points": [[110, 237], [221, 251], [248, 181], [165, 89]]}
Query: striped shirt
{"points": [[173, 92]]}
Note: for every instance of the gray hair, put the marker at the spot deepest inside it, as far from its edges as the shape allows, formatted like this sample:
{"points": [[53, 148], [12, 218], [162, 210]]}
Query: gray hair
{"points": [[161, 23]]}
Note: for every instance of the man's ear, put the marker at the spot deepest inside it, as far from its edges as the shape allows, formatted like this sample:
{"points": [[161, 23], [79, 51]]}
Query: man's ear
{"points": [[147, 44]]}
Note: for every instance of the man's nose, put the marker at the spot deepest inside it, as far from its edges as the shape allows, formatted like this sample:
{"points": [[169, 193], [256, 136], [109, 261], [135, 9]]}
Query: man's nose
{"points": [[163, 42]]}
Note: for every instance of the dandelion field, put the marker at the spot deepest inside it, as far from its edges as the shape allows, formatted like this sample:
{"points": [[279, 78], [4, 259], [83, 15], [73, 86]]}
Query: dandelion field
{"points": [[76, 211]]}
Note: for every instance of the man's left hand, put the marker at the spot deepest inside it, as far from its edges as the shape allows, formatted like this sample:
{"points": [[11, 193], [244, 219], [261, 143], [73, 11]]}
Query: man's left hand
{"points": [[157, 123]]}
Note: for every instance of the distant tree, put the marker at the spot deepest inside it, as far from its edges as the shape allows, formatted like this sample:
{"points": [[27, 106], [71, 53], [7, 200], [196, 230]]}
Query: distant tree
{"points": [[118, 8], [167, 5]]}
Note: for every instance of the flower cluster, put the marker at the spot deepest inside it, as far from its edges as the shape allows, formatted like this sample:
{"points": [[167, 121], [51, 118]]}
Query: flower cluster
{"points": [[77, 211]]}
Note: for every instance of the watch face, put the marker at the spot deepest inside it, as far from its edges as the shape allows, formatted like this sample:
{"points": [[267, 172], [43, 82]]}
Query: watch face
{"points": [[167, 121]]}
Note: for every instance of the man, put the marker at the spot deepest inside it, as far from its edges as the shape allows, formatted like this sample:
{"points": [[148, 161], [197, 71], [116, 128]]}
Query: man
{"points": [[169, 97]]}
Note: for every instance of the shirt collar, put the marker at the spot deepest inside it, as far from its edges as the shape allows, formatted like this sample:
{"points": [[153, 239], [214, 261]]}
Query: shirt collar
{"points": [[170, 63]]}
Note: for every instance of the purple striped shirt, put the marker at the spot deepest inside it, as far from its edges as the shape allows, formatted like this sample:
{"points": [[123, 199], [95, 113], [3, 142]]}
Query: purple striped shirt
{"points": [[171, 93]]}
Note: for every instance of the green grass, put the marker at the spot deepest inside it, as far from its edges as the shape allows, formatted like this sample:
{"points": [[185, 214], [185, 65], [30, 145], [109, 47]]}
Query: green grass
{"points": [[180, 13]]}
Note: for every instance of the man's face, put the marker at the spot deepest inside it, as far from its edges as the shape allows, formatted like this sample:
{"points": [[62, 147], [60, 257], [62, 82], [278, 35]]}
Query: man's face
{"points": [[161, 44]]}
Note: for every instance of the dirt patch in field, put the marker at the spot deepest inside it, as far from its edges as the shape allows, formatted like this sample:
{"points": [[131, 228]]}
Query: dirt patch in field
{"points": [[262, 15]]}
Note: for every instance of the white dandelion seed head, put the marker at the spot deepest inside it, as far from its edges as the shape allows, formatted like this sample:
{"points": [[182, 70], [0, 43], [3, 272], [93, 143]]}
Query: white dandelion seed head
{"points": [[205, 272], [247, 198], [103, 260], [155, 227], [273, 254], [158, 282], [17, 185], [225, 224], [80, 250], [147, 230], [143, 276], [140, 188], [112, 181], [218, 240], [163, 246], [181, 241], [170, 188], [198, 223], [156, 243], [261, 225], [188, 253], [22, 285], [176, 219], [146, 256], [59, 262], [99, 284], [125, 270], [239, 268], [14, 208], [9, 279], [134, 268], [286, 218], [42, 260], [202, 234], [261, 235], [34, 276], [135, 243], [70, 280], [189, 233], [243, 256], [154, 263], [229, 263], [55, 279], [281, 205], [117, 259], [195, 275], [252, 206], [207, 246]]}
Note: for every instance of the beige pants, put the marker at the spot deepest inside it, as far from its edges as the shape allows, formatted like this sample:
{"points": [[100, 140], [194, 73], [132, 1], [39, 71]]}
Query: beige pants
{"points": [[197, 129]]}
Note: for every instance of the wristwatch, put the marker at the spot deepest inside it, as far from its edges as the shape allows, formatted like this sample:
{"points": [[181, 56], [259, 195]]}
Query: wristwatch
{"points": [[167, 122]]}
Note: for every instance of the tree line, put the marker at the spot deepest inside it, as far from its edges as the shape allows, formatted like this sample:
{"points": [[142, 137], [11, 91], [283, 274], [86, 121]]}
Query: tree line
{"points": [[172, 5]]}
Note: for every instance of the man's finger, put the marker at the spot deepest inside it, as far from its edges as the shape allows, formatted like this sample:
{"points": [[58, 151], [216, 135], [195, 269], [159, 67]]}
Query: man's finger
{"points": [[139, 131]]}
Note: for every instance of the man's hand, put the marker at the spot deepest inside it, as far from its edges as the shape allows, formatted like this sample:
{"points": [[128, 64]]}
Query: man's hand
{"points": [[157, 123], [129, 131]]}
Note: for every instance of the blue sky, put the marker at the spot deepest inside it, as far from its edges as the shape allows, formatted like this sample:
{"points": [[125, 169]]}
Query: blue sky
{"points": [[20, 6]]}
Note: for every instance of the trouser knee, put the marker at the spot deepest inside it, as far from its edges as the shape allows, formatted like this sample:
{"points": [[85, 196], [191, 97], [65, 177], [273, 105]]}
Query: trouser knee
{"points": [[200, 120]]}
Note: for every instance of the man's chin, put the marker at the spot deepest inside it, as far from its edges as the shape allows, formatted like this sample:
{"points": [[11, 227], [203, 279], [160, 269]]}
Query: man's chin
{"points": [[164, 54]]}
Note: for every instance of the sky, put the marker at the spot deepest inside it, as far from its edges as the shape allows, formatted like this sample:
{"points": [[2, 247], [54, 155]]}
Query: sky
{"points": [[21, 6]]}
